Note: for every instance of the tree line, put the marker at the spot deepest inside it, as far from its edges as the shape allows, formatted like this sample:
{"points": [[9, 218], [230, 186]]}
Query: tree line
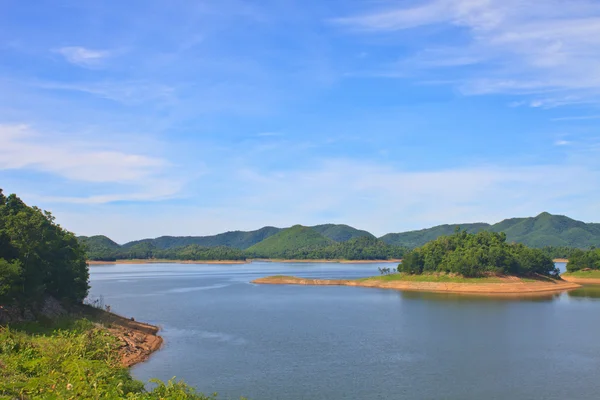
{"points": [[583, 260], [37, 256], [476, 255], [361, 248]]}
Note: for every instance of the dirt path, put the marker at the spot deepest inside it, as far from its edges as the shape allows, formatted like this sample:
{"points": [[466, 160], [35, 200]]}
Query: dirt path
{"points": [[508, 286]]}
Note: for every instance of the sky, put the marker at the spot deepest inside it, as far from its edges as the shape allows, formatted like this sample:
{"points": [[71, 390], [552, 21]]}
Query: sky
{"points": [[137, 119]]}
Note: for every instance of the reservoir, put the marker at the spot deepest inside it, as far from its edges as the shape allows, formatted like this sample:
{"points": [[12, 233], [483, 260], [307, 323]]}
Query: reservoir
{"points": [[265, 342]]}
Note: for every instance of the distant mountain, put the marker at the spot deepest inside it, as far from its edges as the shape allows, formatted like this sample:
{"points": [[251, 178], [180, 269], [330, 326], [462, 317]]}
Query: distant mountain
{"points": [[418, 238], [340, 232], [549, 230], [288, 241], [98, 241], [541, 231], [236, 239]]}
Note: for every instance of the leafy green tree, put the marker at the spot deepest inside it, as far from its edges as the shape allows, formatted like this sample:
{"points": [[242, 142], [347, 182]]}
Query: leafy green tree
{"points": [[37, 256]]}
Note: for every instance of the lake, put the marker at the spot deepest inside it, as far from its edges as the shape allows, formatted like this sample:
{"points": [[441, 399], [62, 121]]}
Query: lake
{"points": [[266, 342]]}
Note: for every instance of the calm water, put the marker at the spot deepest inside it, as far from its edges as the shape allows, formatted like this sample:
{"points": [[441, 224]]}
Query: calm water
{"points": [[269, 342]]}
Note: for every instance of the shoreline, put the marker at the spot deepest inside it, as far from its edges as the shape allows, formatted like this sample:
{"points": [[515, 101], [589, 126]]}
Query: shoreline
{"points": [[510, 286], [580, 280], [139, 340], [154, 261], [249, 261], [334, 261]]}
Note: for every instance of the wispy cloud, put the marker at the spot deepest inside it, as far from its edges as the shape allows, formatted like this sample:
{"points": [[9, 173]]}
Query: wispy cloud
{"points": [[541, 48], [133, 176], [82, 56]]}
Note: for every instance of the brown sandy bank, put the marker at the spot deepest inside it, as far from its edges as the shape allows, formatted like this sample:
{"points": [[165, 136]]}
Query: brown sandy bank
{"points": [[155, 261], [503, 286], [138, 340], [280, 260], [561, 260], [580, 280]]}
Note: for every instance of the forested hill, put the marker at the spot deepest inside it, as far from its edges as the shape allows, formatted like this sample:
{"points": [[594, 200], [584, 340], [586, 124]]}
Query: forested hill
{"points": [[556, 232], [418, 238], [236, 239], [290, 242], [541, 231], [340, 233]]}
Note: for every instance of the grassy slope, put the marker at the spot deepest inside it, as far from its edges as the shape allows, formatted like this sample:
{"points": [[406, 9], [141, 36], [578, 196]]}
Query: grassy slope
{"points": [[290, 239], [69, 359], [340, 232], [593, 274]]}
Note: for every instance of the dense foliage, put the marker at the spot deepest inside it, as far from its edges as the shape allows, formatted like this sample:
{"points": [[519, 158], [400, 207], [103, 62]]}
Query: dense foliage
{"points": [[584, 260], [540, 231], [340, 232], [37, 256], [289, 242], [474, 255], [413, 239], [78, 361]]}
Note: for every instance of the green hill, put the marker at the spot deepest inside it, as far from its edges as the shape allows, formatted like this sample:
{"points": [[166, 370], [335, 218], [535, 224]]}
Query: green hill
{"points": [[236, 239], [294, 240], [540, 231], [340, 232], [549, 230], [98, 241], [418, 238]]}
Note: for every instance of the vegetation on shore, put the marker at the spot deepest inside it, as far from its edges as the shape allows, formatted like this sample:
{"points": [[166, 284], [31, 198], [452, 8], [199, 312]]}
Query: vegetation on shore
{"points": [[62, 359], [586, 274], [37, 257], [584, 260], [72, 358], [477, 255]]}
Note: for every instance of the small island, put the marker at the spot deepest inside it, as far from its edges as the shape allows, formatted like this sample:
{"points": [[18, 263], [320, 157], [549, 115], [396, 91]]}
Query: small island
{"points": [[583, 267], [481, 263]]}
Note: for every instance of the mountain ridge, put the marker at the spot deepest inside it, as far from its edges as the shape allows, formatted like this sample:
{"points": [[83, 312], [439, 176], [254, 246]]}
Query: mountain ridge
{"points": [[543, 230]]}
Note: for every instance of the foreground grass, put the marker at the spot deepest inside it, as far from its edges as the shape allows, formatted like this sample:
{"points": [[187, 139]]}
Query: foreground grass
{"points": [[591, 274], [431, 278], [72, 359]]}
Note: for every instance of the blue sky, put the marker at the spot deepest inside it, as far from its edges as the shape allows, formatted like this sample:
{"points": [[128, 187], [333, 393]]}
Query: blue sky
{"points": [[145, 118]]}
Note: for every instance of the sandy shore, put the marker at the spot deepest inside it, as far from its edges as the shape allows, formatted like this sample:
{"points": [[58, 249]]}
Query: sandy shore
{"points": [[508, 285], [561, 260], [325, 261], [90, 262], [580, 280]]}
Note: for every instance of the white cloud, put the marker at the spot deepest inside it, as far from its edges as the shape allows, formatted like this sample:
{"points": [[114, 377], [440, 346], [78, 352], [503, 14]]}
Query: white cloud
{"points": [[562, 143], [369, 196], [83, 57], [132, 176], [523, 47]]}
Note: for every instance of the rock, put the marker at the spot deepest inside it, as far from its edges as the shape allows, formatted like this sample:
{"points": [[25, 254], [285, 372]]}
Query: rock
{"points": [[52, 309]]}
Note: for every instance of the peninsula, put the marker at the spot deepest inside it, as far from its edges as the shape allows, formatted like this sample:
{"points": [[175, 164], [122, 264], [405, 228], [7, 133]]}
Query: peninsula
{"points": [[481, 263]]}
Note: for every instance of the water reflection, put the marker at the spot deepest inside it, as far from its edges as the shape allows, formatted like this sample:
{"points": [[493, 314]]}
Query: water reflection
{"points": [[586, 291], [461, 297]]}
